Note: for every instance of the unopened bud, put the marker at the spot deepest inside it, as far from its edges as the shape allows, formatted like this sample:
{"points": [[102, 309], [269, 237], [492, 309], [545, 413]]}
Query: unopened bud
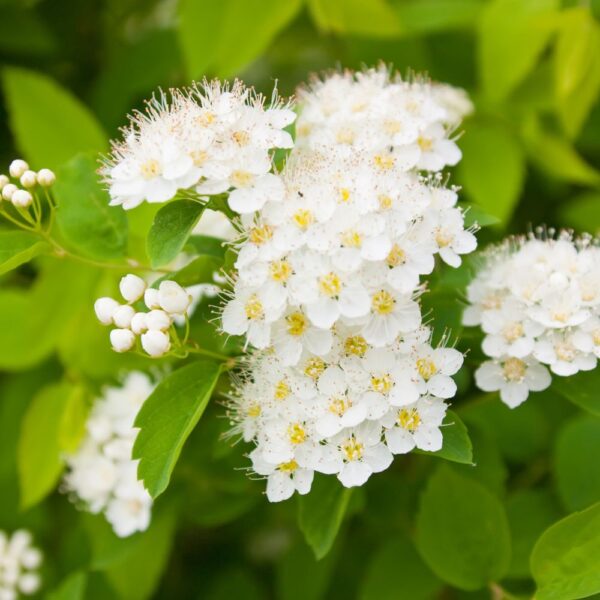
{"points": [[122, 340], [29, 583], [156, 343], [151, 298], [17, 168], [3, 181], [173, 298], [46, 177], [132, 287], [123, 315], [105, 309], [22, 198], [138, 323], [8, 190], [28, 179], [158, 320]]}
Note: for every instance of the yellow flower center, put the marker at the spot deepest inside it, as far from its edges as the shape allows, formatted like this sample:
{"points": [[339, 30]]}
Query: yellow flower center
{"points": [[344, 194], [425, 143], [150, 169], [426, 368], [565, 351], [199, 157], [351, 239], [241, 178], [492, 302], [385, 202], [241, 137], [280, 270], [303, 218], [338, 406], [560, 316], [513, 332], [253, 411], [392, 126], [282, 390], [296, 323], [353, 449], [396, 257], [442, 238], [345, 136], [254, 308], [383, 161], [381, 384], [206, 118], [314, 367], [409, 419], [356, 345], [596, 337], [382, 302], [260, 235], [303, 130], [330, 285], [288, 467], [296, 433], [514, 369]]}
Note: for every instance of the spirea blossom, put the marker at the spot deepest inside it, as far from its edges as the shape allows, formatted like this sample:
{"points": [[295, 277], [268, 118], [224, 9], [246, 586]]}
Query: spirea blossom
{"points": [[102, 475], [210, 138], [537, 300], [343, 374], [19, 563]]}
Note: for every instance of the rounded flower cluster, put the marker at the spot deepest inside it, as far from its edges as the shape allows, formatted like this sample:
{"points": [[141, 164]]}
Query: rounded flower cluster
{"points": [[19, 562], [102, 474], [18, 186], [538, 303], [165, 304], [327, 286], [211, 138]]}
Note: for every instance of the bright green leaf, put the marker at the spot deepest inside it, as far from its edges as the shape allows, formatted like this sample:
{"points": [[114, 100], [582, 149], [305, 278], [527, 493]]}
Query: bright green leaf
{"points": [[566, 559], [493, 167], [50, 125], [581, 389], [462, 531], [85, 219], [321, 512], [167, 418], [457, 446], [512, 35], [206, 245], [583, 213], [18, 247], [429, 16], [71, 588], [475, 215], [170, 230]]}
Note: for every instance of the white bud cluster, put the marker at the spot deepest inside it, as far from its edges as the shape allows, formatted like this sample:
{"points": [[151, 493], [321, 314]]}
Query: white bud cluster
{"points": [[211, 138], [21, 174], [165, 304], [328, 282], [102, 474], [538, 303], [19, 563]]}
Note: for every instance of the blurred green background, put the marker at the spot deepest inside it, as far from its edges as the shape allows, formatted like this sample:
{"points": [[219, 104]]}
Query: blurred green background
{"points": [[72, 69]]}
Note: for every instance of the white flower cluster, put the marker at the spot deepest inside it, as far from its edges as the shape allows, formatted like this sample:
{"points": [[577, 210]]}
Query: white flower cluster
{"points": [[102, 474], [21, 174], [19, 562], [166, 303], [210, 138], [537, 301], [329, 272]]}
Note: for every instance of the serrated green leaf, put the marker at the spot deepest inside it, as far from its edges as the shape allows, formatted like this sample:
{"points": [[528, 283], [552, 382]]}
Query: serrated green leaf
{"points": [[170, 230], [52, 131], [321, 512], [86, 221], [565, 561], [581, 389], [19, 247], [167, 418], [462, 531], [457, 446]]}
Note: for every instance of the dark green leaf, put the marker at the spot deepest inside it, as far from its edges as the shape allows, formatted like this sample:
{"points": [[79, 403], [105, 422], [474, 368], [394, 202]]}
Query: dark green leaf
{"points": [[170, 230], [71, 588], [581, 389], [321, 513], [583, 213], [200, 270], [167, 419], [462, 531], [18, 247], [86, 221], [566, 559], [457, 445], [206, 245]]}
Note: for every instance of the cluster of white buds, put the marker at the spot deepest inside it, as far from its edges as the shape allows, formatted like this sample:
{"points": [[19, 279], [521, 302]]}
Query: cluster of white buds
{"points": [[21, 175], [209, 138], [154, 328], [19, 562], [328, 279], [102, 474], [537, 299]]}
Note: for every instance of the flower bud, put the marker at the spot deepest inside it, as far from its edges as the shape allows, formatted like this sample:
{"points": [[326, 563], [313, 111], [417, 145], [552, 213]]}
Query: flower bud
{"points": [[151, 298], [31, 558], [123, 315], [21, 198], [156, 343], [28, 179], [173, 298], [122, 340], [132, 287], [158, 320], [3, 181], [105, 309], [29, 583], [46, 177], [17, 168], [8, 190], [138, 323]]}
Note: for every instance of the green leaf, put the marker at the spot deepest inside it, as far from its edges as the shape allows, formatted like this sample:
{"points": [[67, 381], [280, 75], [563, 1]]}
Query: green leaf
{"points": [[167, 418], [493, 167], [86, 221], [206, 245], [397, 571], [577, 68], [429, 16], [581, 389], [321, 512], [512, 36], [19, 247], [583, 213], [462, 531], [200, 270], [566, 559], [575, 462], [50, 125], [170, 230], [475, 215], [457, 446], [374, 18], [41, 441], [225, 37], [71, 588]]}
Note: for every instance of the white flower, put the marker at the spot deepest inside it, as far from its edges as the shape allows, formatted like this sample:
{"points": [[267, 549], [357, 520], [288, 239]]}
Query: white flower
{"points": [[151, 298], [132, 287], [46, 177], [157, 320], [122, 340], [21, 198], [105, 309], [155, 343], [173, 298], [28, 179], [123, 315], [17, 168], [19, 562]]}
